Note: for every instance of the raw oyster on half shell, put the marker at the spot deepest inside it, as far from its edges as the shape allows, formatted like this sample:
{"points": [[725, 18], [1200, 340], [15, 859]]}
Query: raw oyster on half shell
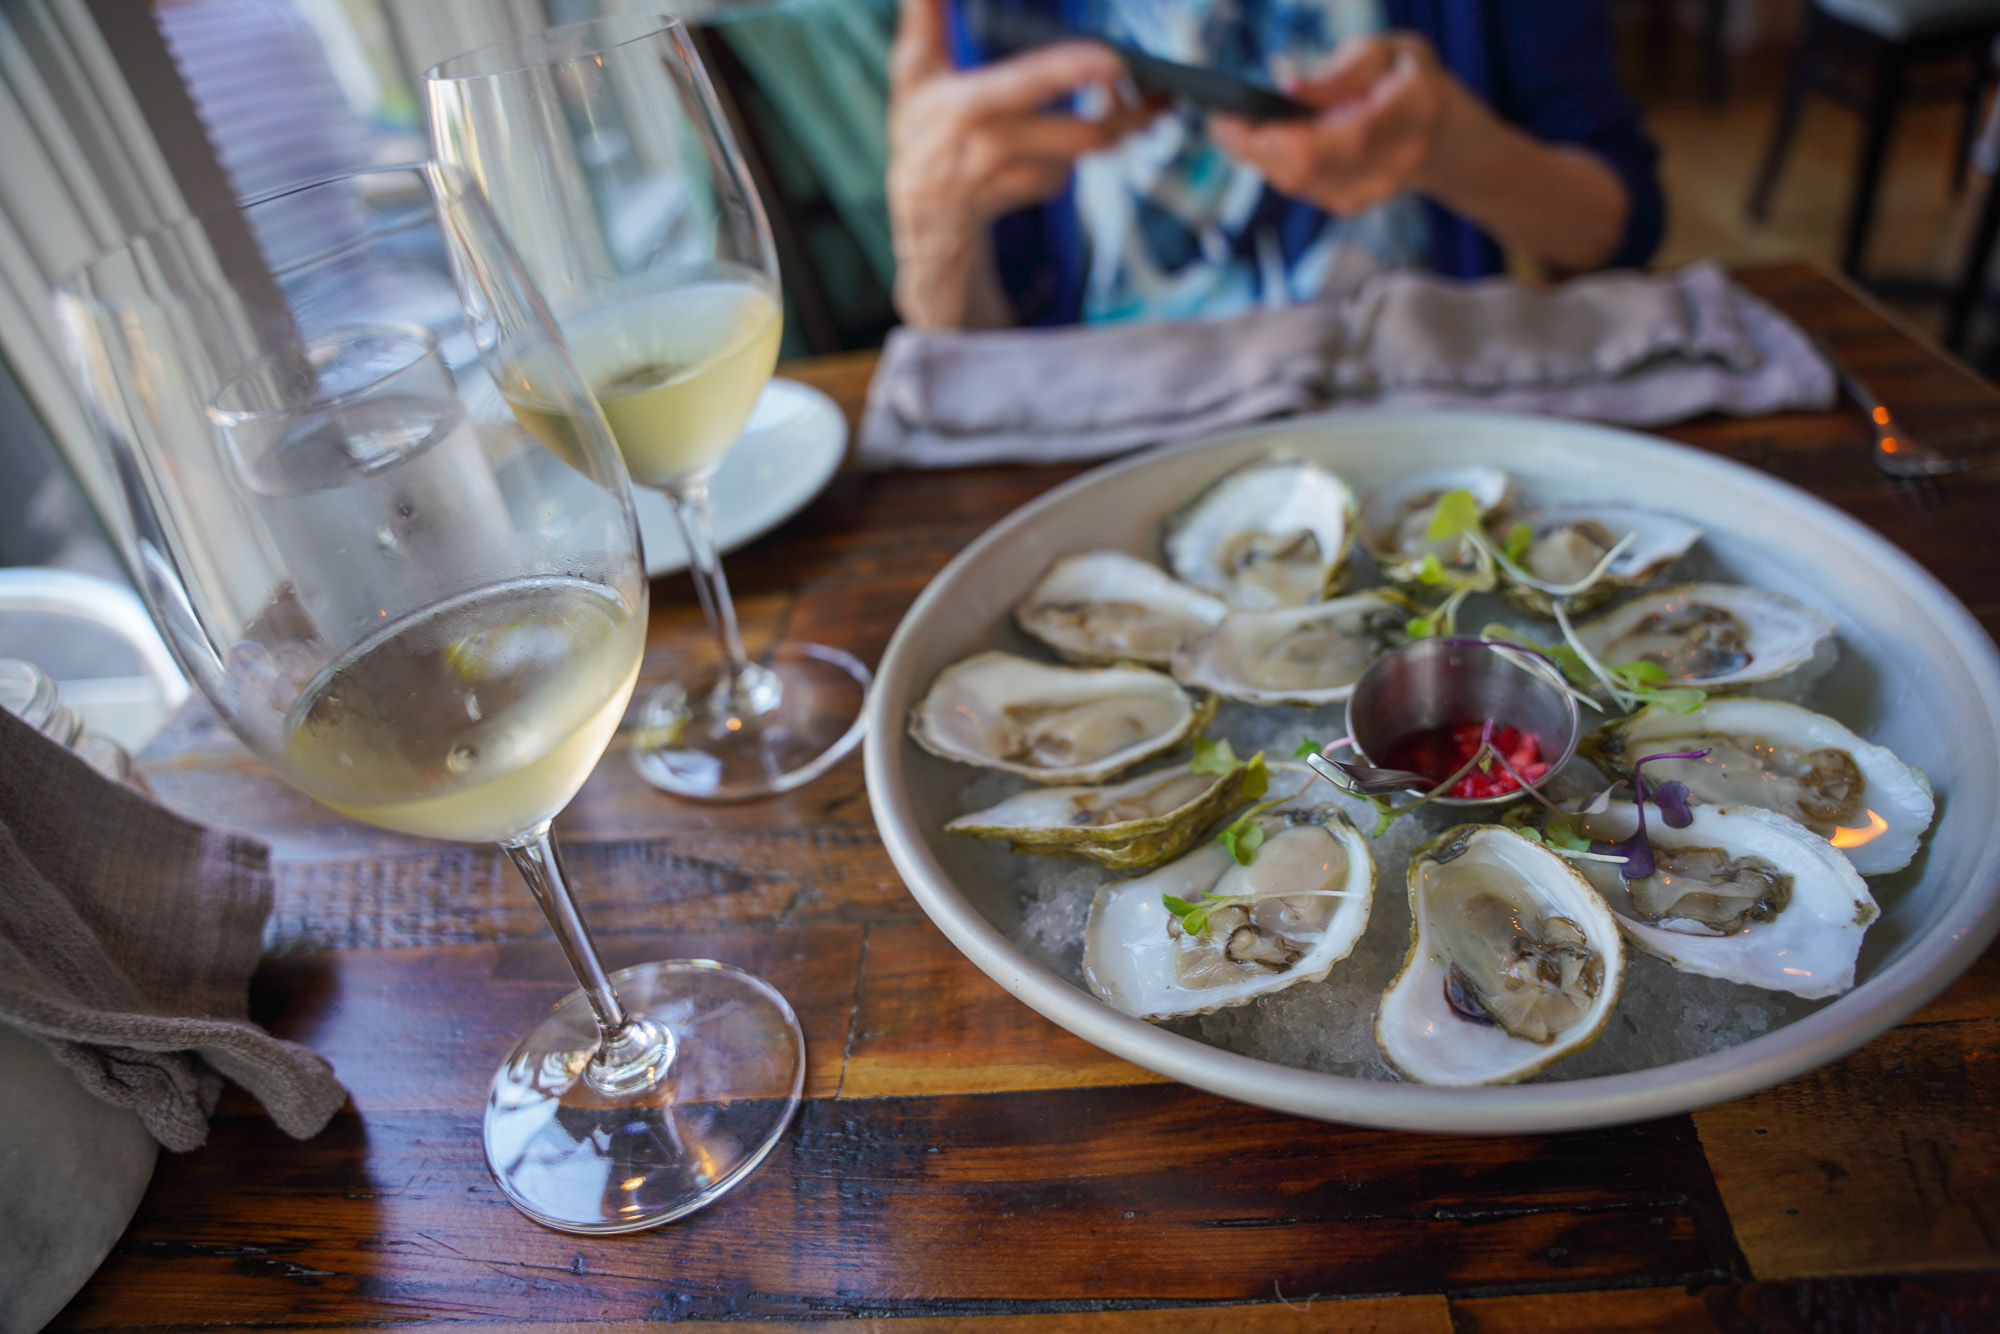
{"points": [[1127, 826], [1396, 519], [1514, 961], [1273, 534], [1300, 907], [1719, 637], [1295, 655], [1054, 724], [1568, 543], [1742, 894], [1110, 606], [1801, 764]]}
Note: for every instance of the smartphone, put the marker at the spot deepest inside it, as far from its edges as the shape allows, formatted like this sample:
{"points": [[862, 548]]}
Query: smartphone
{"points": [[1001, 28]]}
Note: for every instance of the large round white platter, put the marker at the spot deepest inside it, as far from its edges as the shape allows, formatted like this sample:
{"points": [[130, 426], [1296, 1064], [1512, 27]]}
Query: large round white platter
{"points": [[790, 450], [1917, 674]]}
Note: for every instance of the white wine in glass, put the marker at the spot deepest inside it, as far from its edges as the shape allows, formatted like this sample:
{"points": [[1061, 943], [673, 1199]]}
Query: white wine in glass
{"points": [[607, 159], [474, 719], [424, 615]]}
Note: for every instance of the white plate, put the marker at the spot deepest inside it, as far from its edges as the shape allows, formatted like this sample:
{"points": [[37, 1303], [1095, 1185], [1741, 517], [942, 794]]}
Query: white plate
{"points": [[1917, 674], [789, 452]]}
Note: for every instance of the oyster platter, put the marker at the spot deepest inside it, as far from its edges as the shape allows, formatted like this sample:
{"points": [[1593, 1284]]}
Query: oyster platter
{"points": [[1145, 806]]}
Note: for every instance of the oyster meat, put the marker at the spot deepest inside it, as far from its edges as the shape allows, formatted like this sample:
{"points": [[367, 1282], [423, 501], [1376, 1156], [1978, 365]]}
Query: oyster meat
{"points": [[1295, 655], [1128, 826], [1801, 764], [1054, 724], [1110, 606], [1567, 544], [1292, 914], [1396, 519], [1273, 534], [1514, 961], [1742, 894], [1720, 637]]}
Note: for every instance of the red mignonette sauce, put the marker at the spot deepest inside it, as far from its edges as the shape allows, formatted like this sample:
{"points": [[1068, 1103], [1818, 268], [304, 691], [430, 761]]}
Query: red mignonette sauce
{"points": [[1440, 752]]}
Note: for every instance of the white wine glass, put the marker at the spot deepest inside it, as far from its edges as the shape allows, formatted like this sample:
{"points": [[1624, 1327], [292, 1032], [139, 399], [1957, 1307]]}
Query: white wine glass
{"points": [[608, 162], [424, 615]]}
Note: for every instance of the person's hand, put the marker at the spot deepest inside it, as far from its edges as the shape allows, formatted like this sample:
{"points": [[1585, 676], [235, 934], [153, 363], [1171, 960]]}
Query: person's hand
{"points": [[966, 146], [1392, 118], [1387, 115]]}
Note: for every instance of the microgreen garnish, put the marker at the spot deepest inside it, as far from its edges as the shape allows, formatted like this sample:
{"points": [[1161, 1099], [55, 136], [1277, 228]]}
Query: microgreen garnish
{"points": [[1194, 917], [1243, 835], [1305, 748], [1670, 797], [1219, 757], [1456, 515], [1630, 684]]}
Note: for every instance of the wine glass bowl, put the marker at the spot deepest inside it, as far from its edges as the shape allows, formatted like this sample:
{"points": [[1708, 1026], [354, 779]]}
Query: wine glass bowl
{"points": [[609, 163], [425, 607]]}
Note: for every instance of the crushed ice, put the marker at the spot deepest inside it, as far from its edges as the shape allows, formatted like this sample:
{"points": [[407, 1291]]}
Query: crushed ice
{"points": [[1662, 1016]]}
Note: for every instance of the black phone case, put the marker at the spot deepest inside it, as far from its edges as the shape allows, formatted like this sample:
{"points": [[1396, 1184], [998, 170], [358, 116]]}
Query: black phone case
{"points": [[1005, 30]]}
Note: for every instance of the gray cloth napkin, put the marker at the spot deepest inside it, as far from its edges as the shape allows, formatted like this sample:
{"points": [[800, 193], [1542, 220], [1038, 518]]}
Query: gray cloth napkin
{"points": [[1631, 348], [127, 940]]}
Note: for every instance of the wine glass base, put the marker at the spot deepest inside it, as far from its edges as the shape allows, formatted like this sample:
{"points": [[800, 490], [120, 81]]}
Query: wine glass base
{"points": [[580, 1160], [695, 741]]}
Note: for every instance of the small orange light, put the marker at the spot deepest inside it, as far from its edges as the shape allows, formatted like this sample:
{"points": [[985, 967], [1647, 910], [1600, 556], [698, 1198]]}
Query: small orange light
{"points": [[1889, 445], [1881, 416]]}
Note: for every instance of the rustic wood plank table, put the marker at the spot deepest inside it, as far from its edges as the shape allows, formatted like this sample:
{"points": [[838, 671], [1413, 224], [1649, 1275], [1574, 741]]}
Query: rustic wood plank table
{"points": [[959, 1157]]}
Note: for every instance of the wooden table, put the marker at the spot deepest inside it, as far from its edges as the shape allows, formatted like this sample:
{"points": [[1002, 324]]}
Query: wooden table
{"points": [[962, 1162]]}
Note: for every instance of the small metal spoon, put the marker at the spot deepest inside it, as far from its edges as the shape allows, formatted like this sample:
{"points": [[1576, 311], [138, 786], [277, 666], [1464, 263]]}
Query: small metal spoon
{"points": [[1365, 779]]}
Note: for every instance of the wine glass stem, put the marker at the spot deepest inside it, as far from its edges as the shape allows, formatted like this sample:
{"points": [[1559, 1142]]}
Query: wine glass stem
{"points": [[534, 855], [751, 689], [632, 1054]]}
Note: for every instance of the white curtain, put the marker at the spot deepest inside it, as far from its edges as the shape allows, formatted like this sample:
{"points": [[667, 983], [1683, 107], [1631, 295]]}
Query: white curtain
{"points": [[83, 171]]}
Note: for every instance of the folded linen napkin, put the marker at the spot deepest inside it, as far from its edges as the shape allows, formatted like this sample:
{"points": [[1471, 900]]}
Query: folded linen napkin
{"points": [[1636, 349], [127, 940]]}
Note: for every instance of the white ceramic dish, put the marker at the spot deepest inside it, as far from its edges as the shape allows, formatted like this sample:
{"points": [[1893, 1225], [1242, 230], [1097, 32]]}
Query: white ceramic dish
{"points": [[1917, 674], [789, 452]]}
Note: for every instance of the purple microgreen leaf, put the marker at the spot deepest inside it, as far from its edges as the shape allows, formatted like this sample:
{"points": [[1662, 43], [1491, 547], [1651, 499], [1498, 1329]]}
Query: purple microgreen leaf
{"points": [[1672, 799], [1636, 851]]}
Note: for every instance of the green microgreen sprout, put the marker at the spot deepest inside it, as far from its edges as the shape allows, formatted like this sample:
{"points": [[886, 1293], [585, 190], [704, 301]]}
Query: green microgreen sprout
{"points": [[1243, 835], [1194, 917], [1456, 515], [1630, 684], [1306, 747]]}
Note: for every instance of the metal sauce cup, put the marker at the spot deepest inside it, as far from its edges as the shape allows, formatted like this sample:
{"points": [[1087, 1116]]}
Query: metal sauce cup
{"points": [[1431, 683]]}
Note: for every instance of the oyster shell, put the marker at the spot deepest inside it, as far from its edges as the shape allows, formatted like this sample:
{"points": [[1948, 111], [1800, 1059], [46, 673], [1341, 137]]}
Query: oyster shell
{"points": [[1568, 543], [1294, 655], [1054, 724], [1128, 826], [1801, 764], [1742, 894], [1720, 637], [1514, 961], [1396, 516], [1138, 960], [1110, 606], [1273, 534]]}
